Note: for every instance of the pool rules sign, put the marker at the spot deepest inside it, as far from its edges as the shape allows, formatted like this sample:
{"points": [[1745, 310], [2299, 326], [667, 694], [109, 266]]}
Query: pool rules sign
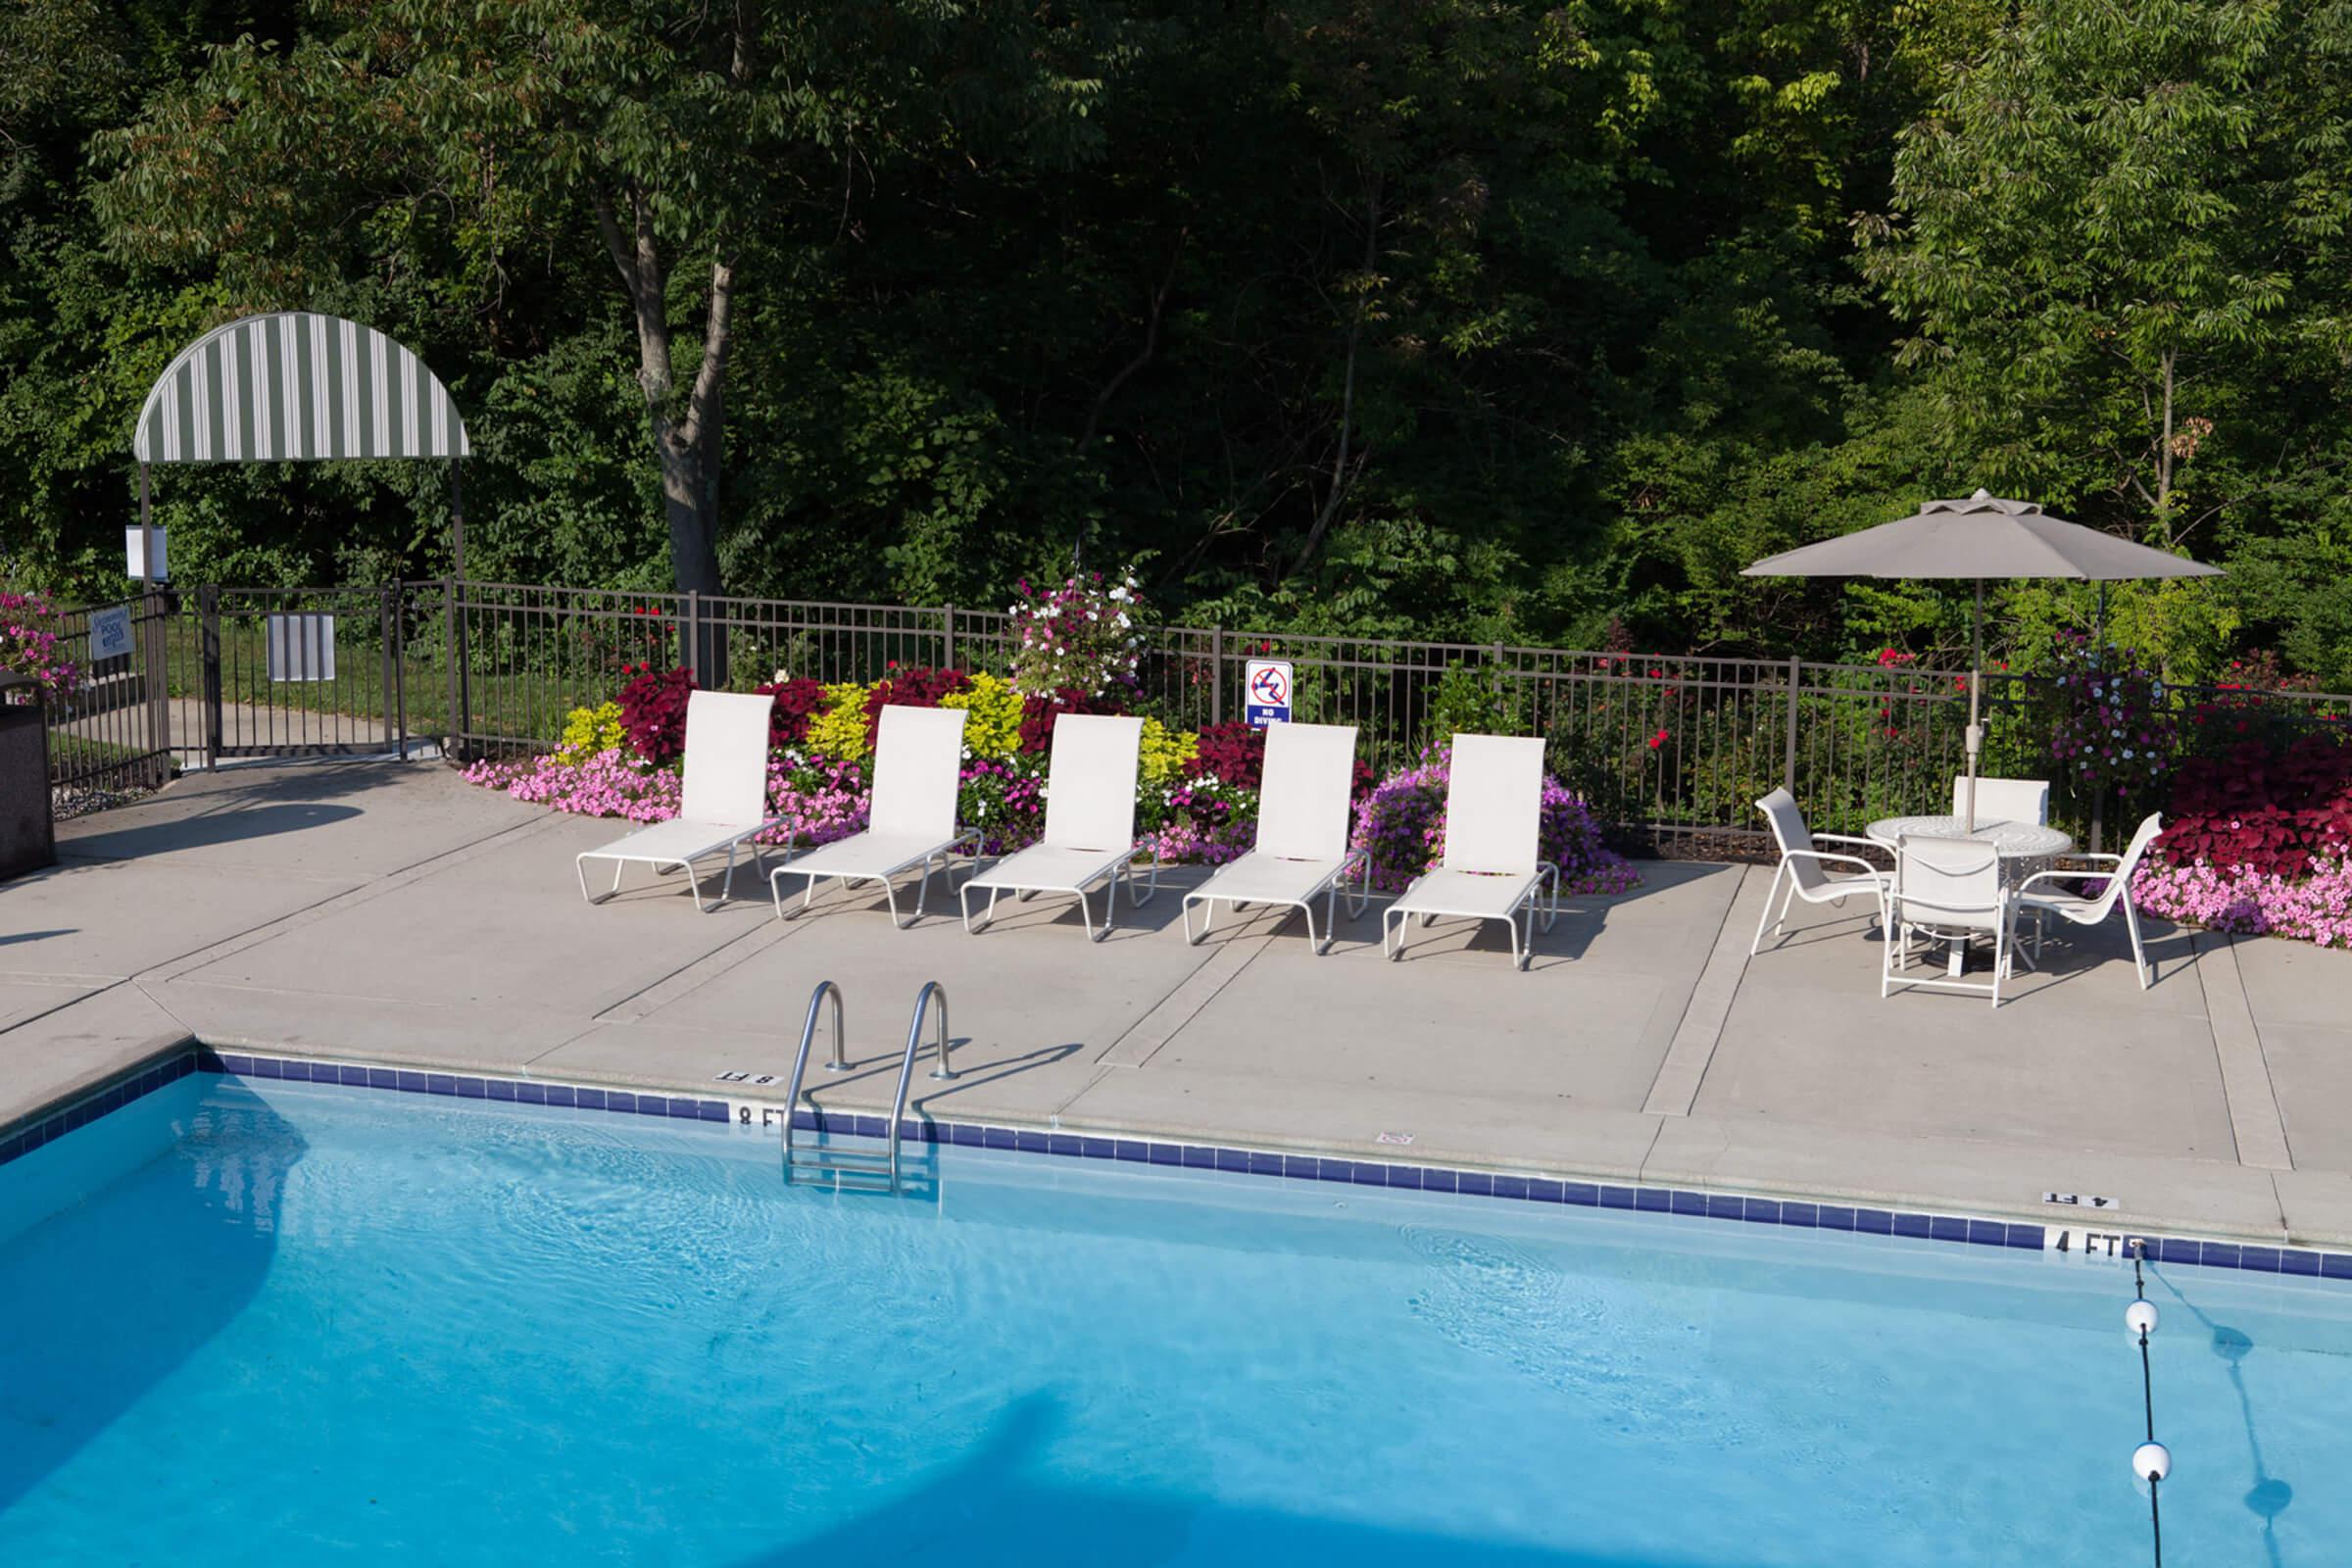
{"points": [[1266, 692]]}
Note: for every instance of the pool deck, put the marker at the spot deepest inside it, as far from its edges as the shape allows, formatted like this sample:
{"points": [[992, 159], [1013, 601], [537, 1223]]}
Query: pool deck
{"points": [[374, 910]]}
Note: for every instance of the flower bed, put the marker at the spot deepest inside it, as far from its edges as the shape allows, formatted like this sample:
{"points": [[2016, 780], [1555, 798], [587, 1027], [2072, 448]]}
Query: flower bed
{"points": [[2317, 907], [2259, 843], [1196, 792]]}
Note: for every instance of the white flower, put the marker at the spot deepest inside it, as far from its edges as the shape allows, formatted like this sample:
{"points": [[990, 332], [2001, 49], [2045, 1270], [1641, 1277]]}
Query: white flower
{"points": [[1122, 618]]}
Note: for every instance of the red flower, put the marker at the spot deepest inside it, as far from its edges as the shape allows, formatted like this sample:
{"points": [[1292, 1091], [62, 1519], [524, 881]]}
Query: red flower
{"points": [[1657, 740]]}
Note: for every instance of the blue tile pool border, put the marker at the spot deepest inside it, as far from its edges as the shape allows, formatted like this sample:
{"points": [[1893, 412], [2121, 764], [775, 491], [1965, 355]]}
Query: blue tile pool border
{"points": [[53, 1123]]}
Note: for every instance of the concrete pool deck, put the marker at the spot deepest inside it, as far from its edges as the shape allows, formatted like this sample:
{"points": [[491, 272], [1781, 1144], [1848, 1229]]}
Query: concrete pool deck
{"points": [[387, 912]]}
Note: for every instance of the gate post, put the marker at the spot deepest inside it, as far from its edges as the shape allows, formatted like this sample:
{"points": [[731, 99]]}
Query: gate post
{"points": [[1796, 676], [693, 634], [208, 613], [386, 695], [947, 657], [453, 647]]}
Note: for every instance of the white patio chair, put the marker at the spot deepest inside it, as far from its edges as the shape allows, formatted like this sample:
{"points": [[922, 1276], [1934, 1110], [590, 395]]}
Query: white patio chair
{"points": [[1948, 890], [2082, 911], [918, 762], [1090, 825], [1303, 821], [2004, 799], [1805, 869], [1493, 866], [723, 801]]}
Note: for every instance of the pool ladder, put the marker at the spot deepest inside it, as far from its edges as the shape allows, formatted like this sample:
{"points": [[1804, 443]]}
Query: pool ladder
{"points": [[857, 1168]]}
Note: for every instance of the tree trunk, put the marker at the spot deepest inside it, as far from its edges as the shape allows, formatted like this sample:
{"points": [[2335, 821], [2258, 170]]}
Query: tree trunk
{"points": [[1341, 480], [687, 431], [2165, 454]]}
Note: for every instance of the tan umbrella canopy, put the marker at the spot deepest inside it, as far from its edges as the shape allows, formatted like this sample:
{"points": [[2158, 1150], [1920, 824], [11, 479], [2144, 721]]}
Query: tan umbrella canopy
{"points": [[1981, 537]]}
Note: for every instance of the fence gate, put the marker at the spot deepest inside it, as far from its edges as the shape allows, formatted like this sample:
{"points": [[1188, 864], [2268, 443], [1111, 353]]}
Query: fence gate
{"points": [[113, 729], [292, 672]]}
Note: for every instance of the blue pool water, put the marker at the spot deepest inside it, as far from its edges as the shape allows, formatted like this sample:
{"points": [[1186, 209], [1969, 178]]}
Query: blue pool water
{"points": [[297, 1324]]}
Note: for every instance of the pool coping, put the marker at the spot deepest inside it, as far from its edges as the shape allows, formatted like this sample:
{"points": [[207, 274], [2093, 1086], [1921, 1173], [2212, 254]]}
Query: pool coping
{"points": [[188, 1057]]}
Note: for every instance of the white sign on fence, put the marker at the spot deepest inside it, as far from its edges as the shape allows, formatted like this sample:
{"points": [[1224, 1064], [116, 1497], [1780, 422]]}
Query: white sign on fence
{"points": [[1266, 692], [302, 648], [110, 633]]}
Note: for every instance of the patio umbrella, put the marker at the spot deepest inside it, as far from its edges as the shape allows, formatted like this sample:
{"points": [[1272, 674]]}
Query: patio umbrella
{"points": [[1973, 539]]}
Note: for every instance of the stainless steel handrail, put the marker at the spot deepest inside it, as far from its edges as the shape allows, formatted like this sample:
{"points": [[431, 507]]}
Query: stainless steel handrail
{"points": [[800, 1060], [932, 990]]}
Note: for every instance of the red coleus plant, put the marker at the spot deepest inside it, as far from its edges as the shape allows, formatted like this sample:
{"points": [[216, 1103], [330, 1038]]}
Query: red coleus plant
{"points": [[653, 713], [1236, 753], [909, 686], [1233, 752], [1038, 714], [798, 702], [2269, 812]]}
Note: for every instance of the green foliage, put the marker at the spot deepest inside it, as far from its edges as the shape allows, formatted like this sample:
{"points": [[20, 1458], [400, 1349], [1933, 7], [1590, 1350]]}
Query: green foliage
{"points": [[1544, 321], [1473, 700], [590, 730], [1164, 752], [994, 729], [843, 731]]}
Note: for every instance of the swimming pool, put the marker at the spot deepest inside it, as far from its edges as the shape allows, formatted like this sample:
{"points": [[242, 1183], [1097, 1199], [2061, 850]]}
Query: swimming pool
{"points": [[277, 1322]]}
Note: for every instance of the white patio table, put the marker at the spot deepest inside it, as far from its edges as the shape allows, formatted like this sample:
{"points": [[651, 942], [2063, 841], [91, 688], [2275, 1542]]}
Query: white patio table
{"points": [[2024, 847]]}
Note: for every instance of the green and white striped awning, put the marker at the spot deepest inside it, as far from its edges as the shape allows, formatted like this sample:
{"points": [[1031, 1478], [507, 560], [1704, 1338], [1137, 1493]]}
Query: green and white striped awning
{"points": [[294, 385]]}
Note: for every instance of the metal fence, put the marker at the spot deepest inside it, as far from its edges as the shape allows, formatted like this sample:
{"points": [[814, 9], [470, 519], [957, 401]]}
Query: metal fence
{"points": [[1670, 750]]}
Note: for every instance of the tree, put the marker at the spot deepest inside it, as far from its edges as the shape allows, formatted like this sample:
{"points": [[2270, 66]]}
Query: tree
{"points": [[688, 145], [2106, 235]]}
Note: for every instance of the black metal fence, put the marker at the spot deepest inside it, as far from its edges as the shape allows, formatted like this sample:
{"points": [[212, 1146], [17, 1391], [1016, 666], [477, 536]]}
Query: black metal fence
{"points": [[1672, 750]]}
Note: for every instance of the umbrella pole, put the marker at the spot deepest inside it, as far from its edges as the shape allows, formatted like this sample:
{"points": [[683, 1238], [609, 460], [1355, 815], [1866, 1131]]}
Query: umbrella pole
{"points": [[1976, 727]]}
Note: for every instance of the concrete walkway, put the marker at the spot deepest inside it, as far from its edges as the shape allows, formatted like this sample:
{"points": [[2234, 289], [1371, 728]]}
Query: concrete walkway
{"points": [[374, 910]]}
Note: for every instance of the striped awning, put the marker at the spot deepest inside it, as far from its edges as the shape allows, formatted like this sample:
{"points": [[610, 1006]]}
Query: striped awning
{"points": [[294, 385]]}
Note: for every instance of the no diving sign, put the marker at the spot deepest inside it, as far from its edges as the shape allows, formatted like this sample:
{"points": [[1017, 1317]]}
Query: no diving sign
{"points": [[1266, 692]]}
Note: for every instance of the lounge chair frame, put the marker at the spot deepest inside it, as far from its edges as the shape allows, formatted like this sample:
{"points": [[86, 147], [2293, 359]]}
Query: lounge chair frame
{"points": [[921, 811], [1493, 806], [1302, 852], [724, 795]]}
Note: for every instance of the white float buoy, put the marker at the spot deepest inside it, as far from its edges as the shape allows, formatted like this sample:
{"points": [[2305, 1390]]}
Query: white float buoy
{"points": [[2151, 1461], [2140, 1318]]}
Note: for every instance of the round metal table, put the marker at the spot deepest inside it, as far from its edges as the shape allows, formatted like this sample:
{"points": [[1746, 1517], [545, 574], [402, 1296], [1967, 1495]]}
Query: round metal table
{"points": [[2024, 847]]}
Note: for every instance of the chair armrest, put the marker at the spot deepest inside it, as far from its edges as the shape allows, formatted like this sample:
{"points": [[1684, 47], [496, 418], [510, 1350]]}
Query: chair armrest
{"points": [[1826, 857], [2058, 876], [1848, 838]]}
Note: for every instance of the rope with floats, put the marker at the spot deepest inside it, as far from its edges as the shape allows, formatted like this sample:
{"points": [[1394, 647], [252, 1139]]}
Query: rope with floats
{"points": [[2151, 1461]]}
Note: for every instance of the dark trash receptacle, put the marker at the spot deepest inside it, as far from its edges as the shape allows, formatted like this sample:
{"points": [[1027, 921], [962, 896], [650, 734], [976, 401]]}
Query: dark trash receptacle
{"points": [[28, 836]]}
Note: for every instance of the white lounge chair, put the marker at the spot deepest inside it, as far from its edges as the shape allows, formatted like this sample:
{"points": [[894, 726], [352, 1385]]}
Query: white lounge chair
{"points": [[1090, 825], [918, 761], [1492, 868], [2052, 899], [2004, 799], [1805, 869], [1302, 821], [1948, 890], [723, 802]]}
